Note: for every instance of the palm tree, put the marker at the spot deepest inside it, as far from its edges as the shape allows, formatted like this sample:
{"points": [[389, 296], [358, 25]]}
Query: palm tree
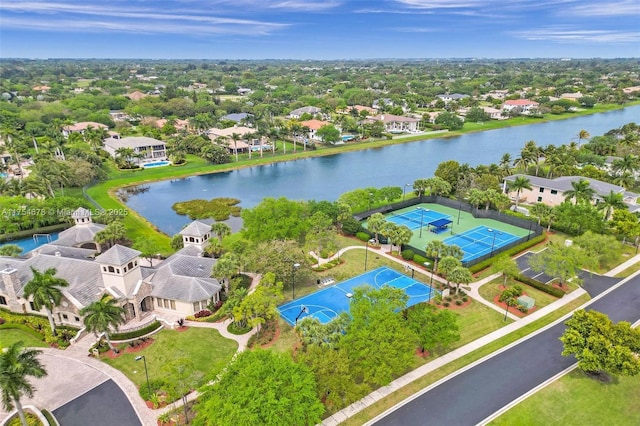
{"points": [[460, 275], [16, 364], [581, 191], [520, 183], [505, 164], [44, 289], [102, 315], [434, 250], [221, 230], [629, 163], [475, 197], [583, 135], [625, 179], [540, 211], [611, 202], [235, 137]]}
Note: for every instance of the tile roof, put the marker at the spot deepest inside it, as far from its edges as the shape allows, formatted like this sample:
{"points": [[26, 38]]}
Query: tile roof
{"points": [[118, 255], [196, 229], [81, 212], [314, 124], [82, 233], [520, 102], [563, 183], [388, 118], [54, 249], [132, 142]]}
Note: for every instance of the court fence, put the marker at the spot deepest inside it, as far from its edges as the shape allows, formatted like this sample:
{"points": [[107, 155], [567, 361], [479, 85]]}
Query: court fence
{"points": [[461, 206]]}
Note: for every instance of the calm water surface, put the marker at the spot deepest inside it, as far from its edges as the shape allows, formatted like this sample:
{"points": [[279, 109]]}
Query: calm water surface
{"points": [[325, 178]]}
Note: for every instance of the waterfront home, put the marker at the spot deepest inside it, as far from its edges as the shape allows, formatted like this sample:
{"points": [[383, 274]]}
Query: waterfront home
{"points": [[313, 126], [179, 286], [299, 112], [82, 127], [149, 148], [523, 106], [552, 191], [397, 123]]}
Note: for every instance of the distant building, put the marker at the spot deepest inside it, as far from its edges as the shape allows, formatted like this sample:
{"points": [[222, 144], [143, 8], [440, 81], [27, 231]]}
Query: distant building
{"points": [[299, 112], [452, 97], [313, 126], [397, 123], [82, 127], [150, 148], [524, 106]]}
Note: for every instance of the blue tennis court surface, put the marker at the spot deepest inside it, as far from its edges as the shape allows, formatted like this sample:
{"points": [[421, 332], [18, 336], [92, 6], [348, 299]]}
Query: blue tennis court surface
{"points": [[416, 217], [327, 303], [479, 241]]}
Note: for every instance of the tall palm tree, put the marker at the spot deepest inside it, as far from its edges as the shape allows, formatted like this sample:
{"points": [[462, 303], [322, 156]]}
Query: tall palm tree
{"points": [[581, 192], [626, 179], [221, 230], [629, 163], [611, 202], [44, 289], [103, 315], [434, 250], [540, 211], [520, 183], [460, 275], [16, 365], [475, 197], [582, 135], [235, 137]]}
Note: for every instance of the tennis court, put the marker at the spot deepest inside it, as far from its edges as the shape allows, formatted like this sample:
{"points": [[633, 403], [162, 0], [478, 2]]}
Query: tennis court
{"points": [[416, 218], [328, 303], [479, 241]]}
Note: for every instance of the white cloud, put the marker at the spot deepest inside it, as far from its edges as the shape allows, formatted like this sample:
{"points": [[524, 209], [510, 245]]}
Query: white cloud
{"points": [[565, 35], [607, 8]]}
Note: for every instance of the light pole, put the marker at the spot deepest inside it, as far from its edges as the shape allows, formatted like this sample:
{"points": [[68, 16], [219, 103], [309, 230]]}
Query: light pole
{"points": [[370, 196], [366, 252], [146, 372], [404, 188], [293, 279], [494, 232], [427, 265], [459, 209], [421, 218]]}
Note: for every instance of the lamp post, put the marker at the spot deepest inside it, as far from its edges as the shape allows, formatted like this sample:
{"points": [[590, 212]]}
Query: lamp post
{"points": [[427, 265], [494, 232], [366, 252], [404, 188], [459, 208], [370, 196], [146, 372], [293, 279]]}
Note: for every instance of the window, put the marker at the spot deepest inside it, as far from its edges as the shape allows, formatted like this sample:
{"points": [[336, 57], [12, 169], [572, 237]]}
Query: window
{"points": [[3, 301], [65, 316], [32, 306], [112, 269], [130, 265], [539, 199], [554, 192], [173, 304], [118, 270], [196, 306], [77, 319], [104, 268], [541, 189]]}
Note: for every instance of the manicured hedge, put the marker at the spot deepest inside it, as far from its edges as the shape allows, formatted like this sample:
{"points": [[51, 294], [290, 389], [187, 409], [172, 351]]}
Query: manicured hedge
{"points": [[363, 236], [22, 327], [408, 254], [510, 252], [541, 286], [420, 260], [136, 333]]}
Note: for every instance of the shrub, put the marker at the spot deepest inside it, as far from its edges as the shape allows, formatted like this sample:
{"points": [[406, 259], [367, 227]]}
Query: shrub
{"points": [[363, 236], [420, 260], [511, 293], [541, 286], [523, 309], [156, 386], [136, 333], [350, 226], [203, 313], [407, 254], [458, 302], [438, 299], [445, 304], [465, 299], [448, 298]]}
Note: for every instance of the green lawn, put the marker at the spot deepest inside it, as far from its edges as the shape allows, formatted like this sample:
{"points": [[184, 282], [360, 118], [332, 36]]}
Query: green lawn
{"points": [[576, 399], [205, 347], [491, 290], [9, 336]]}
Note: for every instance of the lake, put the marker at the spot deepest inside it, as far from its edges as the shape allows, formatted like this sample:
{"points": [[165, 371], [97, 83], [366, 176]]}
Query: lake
{"points": [[325, 178]]}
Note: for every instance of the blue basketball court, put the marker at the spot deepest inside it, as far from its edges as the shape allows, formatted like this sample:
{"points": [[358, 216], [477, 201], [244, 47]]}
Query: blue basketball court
{"points": [[479, 241], [328, 303]]}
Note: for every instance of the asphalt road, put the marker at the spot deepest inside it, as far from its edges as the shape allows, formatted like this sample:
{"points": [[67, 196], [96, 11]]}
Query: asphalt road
{"points": [[477, 393], [104, 405]]}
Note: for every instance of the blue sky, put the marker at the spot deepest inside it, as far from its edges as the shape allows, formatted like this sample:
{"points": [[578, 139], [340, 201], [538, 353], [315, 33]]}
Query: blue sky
{"points": [[319, 29]]}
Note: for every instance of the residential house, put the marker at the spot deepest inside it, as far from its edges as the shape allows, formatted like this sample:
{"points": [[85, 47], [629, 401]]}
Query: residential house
{"points": [[177, 123], [398, 123], [82, 127], [150, 148], [299, 112], [551, 191], [243, 91], [246, 142], [452, 97], [136, 95], [572, 96], [179, 286], [523, 106], [313, 126]]}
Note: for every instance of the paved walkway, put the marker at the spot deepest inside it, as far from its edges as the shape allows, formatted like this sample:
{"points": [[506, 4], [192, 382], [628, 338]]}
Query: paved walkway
{"points": [[615, 271]]}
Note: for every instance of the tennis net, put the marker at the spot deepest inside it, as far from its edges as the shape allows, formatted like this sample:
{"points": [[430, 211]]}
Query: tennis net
{"points": [[409, 218], [472, 240]]}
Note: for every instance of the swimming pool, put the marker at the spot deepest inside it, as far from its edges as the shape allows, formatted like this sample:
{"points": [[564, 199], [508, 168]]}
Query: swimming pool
{"points": [[156, 164], [31, 243]]}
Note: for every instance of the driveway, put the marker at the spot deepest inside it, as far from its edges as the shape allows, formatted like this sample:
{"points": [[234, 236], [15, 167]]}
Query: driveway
{"points": [[81, 394], [475, 394]]}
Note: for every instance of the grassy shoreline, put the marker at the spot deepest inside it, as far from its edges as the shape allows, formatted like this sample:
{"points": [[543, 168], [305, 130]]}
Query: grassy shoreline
{"points": [[137, 226]]}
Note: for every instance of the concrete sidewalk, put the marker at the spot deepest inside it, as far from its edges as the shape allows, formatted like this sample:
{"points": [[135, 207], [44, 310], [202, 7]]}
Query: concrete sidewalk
{"points": [[615, 271]]}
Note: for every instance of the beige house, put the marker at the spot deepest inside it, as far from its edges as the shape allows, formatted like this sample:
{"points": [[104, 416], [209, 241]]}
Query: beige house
{"points": [[82, 127], [313, 126], [524, 106], [179, 286], [150, 148], [398, 123], [247, 139], [551, 191]]}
